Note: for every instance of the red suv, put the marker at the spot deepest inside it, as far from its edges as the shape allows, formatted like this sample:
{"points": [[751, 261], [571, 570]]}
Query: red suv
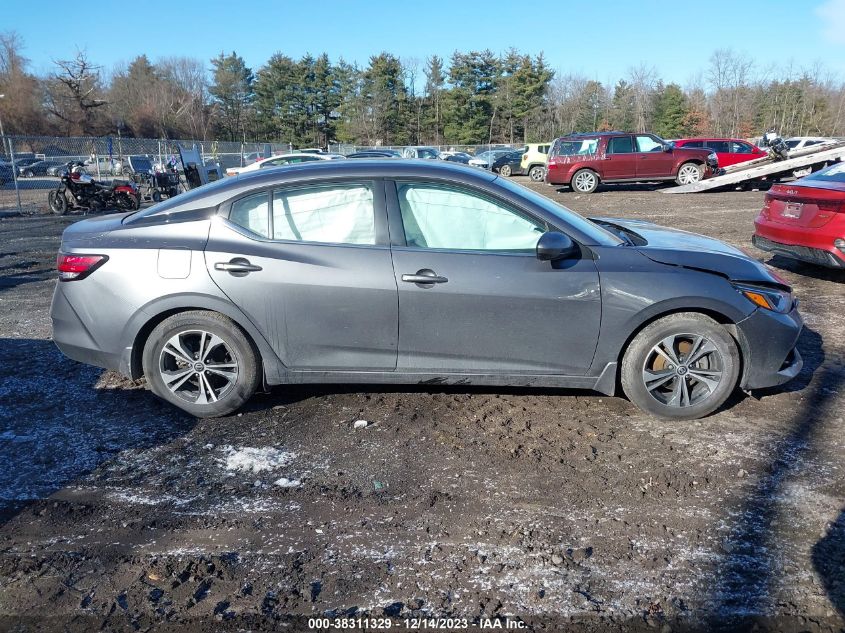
{"points": [[584, 160], [729, 151]]}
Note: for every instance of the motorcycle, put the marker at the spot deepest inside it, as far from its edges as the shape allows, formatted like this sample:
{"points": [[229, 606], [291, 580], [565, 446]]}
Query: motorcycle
{"points": [[78, 190], [775, 146]]}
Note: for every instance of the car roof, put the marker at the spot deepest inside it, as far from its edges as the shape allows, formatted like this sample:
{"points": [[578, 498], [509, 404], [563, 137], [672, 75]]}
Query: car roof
{"points": [[215, 193], [712, 138]]}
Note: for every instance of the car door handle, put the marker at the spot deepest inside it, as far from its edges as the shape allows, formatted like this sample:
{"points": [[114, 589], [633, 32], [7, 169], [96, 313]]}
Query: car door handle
{"points": [[425, 276], [238, 267]]}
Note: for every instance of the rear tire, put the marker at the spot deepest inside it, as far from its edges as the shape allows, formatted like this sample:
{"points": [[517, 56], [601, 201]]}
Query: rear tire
{"points": [[201, 362], [156, 196], [584, 181], [681, 367], [505, 170], [537, 173]]}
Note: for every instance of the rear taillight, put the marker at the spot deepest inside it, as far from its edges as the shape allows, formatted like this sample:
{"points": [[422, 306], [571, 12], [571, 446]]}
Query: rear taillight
{"points": [[525, 157], [72, 266], [831, 206]]}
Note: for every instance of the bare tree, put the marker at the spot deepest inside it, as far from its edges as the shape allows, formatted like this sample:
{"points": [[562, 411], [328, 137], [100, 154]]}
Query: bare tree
{"points": [[75, 96], [643, 81]]}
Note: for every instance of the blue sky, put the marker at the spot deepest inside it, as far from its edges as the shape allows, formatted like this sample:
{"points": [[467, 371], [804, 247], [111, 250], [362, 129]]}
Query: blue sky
{"points": [[600, 39]]}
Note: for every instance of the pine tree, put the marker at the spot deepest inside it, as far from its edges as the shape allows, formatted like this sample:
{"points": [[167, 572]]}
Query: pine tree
{"points": [[670, 112], [233, 93]]}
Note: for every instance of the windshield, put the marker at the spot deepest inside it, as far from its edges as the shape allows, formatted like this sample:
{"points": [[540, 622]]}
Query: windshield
{"points": [[598, 234], [834, 173]]}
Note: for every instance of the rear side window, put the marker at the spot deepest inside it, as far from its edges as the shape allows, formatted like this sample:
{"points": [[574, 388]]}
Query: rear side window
{"points": [[252, 213], [334, 214], [620, 145], [564, 147], [834, 173], [692, 144], [543, 149], [720, 147]]}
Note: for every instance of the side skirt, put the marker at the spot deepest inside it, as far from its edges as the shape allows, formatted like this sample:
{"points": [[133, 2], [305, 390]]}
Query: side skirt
{"points": [[604, 383]]}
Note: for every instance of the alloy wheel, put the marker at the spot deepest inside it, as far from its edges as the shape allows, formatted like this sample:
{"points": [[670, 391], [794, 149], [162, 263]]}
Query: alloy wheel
{"points": [[585, 181], [682, 370], [197, 366], [689, 174]]}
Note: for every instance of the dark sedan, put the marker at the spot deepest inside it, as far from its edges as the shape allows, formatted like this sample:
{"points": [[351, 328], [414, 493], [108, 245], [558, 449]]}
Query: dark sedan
{"points": [[40, 168], [6, 174], [414, 272], [509, 164]]}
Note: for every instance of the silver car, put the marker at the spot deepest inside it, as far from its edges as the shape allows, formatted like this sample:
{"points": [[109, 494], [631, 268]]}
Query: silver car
{"points": [[378, 271]]}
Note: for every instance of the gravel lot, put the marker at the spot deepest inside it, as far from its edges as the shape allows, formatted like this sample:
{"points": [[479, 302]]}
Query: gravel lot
{"points": [[556, 508]]}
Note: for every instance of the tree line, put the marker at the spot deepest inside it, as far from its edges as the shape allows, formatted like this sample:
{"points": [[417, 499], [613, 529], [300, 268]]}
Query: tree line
{"points": [[473, 97]]}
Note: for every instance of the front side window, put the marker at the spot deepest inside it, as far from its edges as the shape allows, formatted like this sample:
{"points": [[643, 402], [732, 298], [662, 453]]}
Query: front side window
{"points": [[648, 144], [436, 216], [332, 214], [620, 145], [740, 148]]}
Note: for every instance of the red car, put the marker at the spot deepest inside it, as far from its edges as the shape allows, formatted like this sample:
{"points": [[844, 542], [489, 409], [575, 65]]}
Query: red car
{"points": [[729, 151], [805, 219]]}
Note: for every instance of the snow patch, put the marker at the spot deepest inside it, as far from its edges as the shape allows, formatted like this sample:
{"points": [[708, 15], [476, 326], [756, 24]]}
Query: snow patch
{"points": [[256, 460]]}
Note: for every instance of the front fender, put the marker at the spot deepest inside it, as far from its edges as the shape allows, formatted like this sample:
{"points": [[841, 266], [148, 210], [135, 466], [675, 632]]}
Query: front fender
{"points": [[628, 303]]}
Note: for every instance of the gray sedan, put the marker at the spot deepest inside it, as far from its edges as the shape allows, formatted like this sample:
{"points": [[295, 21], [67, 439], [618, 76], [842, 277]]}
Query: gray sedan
{"points": [[418, 272]]}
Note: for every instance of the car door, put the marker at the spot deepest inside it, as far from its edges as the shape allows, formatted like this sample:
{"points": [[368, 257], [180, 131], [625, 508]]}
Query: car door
{"points": [[722, 149], [652, 161], [310, 266], [741, 152], [490, 306], [620, 160]]}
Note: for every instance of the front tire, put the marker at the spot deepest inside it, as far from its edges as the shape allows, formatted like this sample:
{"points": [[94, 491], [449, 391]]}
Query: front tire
{"points": [[689, 173], [29, 174], [58, 202], [201, 362], [537, 173], [585, 181], [681, 367], [505, 170]]}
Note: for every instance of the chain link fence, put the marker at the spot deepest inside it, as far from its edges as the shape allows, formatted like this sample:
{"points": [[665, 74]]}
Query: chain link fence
{"points": [[31, 166]]}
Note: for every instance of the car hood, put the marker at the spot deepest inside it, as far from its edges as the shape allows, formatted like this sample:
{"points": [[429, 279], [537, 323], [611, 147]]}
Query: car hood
{"points": [[674, 247]]}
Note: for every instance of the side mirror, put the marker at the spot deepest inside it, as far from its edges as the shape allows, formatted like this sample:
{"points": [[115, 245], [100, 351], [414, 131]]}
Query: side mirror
{"points": [[553, 246], [668, 147]]}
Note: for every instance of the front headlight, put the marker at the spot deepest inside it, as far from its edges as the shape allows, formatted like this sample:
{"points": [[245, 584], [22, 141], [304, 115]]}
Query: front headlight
{"points": [[774, 299], [712, 157]]}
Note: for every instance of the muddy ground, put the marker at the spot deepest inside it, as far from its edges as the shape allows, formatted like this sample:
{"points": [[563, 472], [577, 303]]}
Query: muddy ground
{"points": [[549, 508]]}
